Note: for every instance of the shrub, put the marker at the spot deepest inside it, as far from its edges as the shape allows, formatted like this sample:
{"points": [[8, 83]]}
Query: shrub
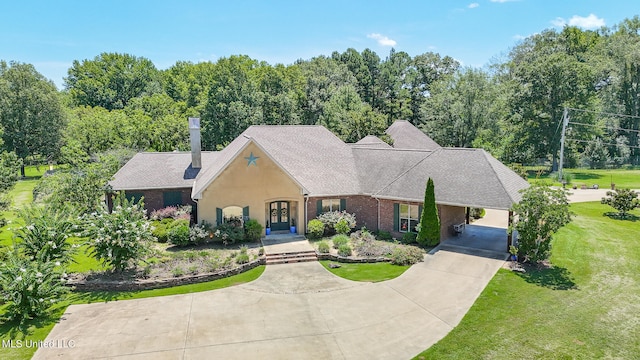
{"points": [[198, 234], [339, 240], [372, 249], [477, 213], [331, 218], [160, 231], [44, 238], [384, 235], [252, 230], [623, 200], [408, 238], [177, 271], [541, 212], [164, 213], [179, 235], [406, 255], [362, 235], [172, 212], [323, 247], [30, 287], [315, 228], [429, 233], [118, 236], [344, 250], [229, 233], [242, 258], [342, 226]]}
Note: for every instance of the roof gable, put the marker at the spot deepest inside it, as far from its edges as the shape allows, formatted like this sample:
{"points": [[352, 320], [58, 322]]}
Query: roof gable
{"points": [[227, 156], [407, 136]]}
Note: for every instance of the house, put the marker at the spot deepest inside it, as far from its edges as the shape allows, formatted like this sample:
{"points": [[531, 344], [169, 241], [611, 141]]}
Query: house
{"points": [[283, 175]]}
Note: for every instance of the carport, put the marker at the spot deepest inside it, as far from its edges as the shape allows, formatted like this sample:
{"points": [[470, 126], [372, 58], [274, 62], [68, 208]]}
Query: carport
{"points": [[488, 233]]}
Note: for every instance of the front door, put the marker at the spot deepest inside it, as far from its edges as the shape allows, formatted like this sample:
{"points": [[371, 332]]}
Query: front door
{"points": [[279, 215]]}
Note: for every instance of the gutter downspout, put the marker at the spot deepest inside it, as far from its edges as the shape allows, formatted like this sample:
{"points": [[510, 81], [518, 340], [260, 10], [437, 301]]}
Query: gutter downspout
{"points": [[306, 204], [378, 213]]}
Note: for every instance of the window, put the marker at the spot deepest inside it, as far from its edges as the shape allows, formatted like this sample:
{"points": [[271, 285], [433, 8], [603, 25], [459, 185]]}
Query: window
{"points": [[172, 198], [408, 217], [331, 205], [232, 214], [133, 196]]}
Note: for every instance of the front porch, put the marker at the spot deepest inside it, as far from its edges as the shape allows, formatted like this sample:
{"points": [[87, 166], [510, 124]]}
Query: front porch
{"points": [[283, 248]]}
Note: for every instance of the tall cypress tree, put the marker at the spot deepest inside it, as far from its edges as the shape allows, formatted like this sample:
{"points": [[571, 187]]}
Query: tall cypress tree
{"points": [[429, 234]]}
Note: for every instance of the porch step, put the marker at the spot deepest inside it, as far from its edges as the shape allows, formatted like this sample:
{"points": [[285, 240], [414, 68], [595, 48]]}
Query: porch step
{"points": [[291, 257]]}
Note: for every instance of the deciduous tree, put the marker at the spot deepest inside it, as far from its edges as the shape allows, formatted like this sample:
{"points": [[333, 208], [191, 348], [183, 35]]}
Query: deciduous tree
{"points": [[541, 212], [30, 112]]}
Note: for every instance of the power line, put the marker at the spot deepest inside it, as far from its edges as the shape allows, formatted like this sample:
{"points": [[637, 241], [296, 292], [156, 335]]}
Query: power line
{"points": [[607, 127], [609, 144], [605, 113]]}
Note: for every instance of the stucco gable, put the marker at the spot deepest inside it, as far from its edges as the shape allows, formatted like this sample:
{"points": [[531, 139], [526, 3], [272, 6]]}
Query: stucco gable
{"points": [[241, 147]]}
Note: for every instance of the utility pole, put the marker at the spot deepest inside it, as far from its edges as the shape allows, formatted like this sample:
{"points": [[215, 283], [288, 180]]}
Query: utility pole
{"points": [[565, 122]]}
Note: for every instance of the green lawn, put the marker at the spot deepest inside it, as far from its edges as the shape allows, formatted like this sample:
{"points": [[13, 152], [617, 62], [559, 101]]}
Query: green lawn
{"points": [[603, 178], [586, 307], [372, 272], [38, 330], [21, 195]]}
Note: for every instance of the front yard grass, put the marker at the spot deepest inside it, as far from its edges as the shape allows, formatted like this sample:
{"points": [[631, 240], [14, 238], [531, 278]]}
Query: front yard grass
{"points": [[601, 177], [585, 307], [370, 272]]}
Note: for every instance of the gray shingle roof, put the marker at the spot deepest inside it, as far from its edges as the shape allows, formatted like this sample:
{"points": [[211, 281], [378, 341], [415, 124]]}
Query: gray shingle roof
{"points": [[407, 136], [160, 170], [372, 141], [464, 177], [324, 165]]}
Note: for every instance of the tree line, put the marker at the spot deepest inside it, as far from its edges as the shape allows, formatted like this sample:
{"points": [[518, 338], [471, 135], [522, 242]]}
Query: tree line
{"points": [[512, 108]]}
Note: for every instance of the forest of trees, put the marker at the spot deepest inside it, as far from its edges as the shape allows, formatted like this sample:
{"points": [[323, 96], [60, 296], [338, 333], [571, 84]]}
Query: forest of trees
{"points": [[512, 108]]}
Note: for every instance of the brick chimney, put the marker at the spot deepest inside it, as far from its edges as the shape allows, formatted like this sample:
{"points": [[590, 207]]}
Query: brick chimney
{"points": [[194, 132]]}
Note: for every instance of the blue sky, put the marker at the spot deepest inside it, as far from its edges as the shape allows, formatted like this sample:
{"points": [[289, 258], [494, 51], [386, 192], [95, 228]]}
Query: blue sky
{"points": [[51, 34]]}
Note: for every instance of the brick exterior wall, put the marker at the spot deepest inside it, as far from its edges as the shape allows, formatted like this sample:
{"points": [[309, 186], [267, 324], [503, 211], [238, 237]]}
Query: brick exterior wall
{"points": [[365, 207], [366, 210], [449, 216], [154, 200]]}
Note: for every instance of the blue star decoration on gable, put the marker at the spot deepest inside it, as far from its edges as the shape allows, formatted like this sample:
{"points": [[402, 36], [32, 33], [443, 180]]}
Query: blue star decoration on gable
{"points": [[251, 159]]}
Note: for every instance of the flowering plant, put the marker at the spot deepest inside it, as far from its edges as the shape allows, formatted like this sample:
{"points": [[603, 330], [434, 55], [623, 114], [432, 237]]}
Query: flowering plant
{"points": [[30, 287], [119, 236]]}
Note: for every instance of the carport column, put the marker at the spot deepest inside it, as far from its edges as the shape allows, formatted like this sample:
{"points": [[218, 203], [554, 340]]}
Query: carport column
{"points": [[509, 234]]}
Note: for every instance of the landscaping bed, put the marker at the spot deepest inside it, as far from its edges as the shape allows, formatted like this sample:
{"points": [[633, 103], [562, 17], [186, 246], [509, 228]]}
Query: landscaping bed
{"points": [[362, 247], [168, 265]]}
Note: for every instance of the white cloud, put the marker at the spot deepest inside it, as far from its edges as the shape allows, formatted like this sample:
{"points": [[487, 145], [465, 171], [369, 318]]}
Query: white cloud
{"points": [[559, 22], [382, 40], [589, 22], [519, 37], [473, 5]]}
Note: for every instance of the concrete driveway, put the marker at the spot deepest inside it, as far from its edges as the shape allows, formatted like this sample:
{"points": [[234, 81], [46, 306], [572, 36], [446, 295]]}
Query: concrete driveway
{"points": [[292, 311]]}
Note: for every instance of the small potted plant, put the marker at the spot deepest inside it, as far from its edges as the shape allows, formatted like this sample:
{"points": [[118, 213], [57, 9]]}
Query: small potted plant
{"points": [[292, 228], [514, 253], [268, 228]]}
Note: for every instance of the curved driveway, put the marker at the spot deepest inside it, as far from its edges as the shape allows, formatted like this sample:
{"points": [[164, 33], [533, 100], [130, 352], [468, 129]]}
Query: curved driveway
{"points": [[292, 311]]}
